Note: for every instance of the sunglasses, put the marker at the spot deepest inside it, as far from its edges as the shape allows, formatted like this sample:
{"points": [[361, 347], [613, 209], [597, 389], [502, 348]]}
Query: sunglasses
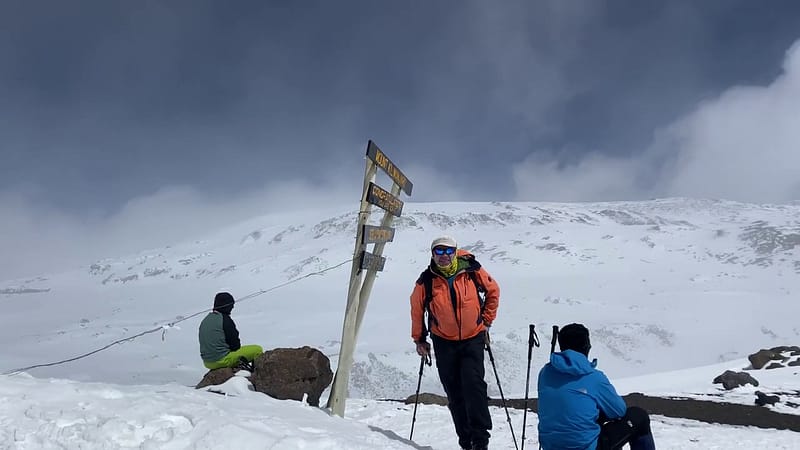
{"points": [[444, 250]]}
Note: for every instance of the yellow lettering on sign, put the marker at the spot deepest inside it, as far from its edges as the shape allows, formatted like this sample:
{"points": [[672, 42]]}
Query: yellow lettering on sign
{"points": [[381, 159], [378, 196], [383, 162], [377, 234], [394, 173]]}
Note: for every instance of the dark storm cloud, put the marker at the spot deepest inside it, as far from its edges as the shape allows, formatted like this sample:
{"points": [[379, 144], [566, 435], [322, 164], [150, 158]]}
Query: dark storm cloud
{"points": [[202, 111]]}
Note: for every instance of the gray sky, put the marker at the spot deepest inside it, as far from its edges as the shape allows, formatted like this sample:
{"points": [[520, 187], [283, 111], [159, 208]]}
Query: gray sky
{"points": [[121, 121]]}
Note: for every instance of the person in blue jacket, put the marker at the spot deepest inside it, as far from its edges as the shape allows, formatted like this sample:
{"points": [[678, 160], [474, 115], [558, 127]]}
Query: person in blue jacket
{"points": [[578, 406]]}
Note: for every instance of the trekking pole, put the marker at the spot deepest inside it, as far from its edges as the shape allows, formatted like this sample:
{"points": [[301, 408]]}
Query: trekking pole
{"points": [[425, 359], [502, 397], [552, 350], [533, 340]]}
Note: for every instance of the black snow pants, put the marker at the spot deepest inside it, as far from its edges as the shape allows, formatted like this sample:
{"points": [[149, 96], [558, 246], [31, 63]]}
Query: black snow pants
{"points": [[632, 429], [461, 371]]}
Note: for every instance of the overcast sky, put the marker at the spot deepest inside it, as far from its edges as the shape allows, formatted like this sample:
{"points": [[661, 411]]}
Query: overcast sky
{"points": [[121, 121]]}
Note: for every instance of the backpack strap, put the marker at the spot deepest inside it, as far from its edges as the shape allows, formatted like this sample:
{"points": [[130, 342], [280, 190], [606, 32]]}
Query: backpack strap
{"points": [[480, 291], [426, 279]]}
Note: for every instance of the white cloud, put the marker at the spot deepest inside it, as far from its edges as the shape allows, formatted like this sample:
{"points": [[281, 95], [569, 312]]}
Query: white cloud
{"points": [[743, 145], [36, 239], [595, 177]]}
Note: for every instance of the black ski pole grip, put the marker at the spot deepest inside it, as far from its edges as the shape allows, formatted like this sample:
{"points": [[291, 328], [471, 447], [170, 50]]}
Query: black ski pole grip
{"points": [[533, 339], [555, 338]]}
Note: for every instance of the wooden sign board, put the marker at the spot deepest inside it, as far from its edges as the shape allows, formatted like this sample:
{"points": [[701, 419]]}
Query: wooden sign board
{"points": [[372, 262], [381, 160], [384, 199], [373, 234]]}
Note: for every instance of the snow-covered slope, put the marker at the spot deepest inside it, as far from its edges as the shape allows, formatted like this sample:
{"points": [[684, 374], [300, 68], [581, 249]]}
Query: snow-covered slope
{"points": [[663, 285], [52, 414]]}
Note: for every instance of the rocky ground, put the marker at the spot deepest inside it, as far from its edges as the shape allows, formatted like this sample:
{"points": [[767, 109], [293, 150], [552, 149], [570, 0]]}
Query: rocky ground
{"points": [[722, 412], [702, 410]]}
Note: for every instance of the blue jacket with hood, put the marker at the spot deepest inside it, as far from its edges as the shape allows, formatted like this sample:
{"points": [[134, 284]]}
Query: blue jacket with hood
{"points": [[572, 394]]}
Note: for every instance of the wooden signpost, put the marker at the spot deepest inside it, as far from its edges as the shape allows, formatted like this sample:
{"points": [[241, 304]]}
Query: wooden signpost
{"points": [[366, 264], [372, 234]]}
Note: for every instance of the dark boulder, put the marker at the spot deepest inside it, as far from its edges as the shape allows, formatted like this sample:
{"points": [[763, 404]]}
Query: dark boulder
{"points": [[763, 399], [760, 358], [291, 373], [215, 377], [427, 399], [731, 379]]}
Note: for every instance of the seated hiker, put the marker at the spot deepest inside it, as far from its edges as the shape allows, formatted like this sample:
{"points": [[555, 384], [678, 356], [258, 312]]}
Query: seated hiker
{"points": [[578, 406], [219, 338]]}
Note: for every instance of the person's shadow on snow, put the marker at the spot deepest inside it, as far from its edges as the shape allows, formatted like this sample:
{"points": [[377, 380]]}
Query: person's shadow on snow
{"points": [[395, 437]]}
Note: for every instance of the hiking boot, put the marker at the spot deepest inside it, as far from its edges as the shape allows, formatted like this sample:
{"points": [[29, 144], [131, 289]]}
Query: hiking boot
{"points": [[244, 364]]}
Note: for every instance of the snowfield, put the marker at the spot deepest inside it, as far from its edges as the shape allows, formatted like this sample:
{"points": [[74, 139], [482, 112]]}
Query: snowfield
{"points": [[674, 291]]}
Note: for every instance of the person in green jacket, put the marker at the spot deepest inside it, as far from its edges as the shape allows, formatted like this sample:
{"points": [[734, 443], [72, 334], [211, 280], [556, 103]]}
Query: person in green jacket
{"points": [[219, 338]]}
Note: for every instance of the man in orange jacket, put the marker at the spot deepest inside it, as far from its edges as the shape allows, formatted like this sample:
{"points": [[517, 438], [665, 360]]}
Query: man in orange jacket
{"points": [[460, 298]]}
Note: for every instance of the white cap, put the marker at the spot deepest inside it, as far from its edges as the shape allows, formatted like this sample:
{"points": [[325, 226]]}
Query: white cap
{"points": [[444, 241]]}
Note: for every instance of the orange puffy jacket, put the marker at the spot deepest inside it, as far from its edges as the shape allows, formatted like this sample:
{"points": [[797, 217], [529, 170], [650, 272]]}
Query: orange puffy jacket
{"points": [[455, 313]]}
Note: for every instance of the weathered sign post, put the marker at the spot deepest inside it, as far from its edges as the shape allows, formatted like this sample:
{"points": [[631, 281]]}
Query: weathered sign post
{"points": [[366, 264]]}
